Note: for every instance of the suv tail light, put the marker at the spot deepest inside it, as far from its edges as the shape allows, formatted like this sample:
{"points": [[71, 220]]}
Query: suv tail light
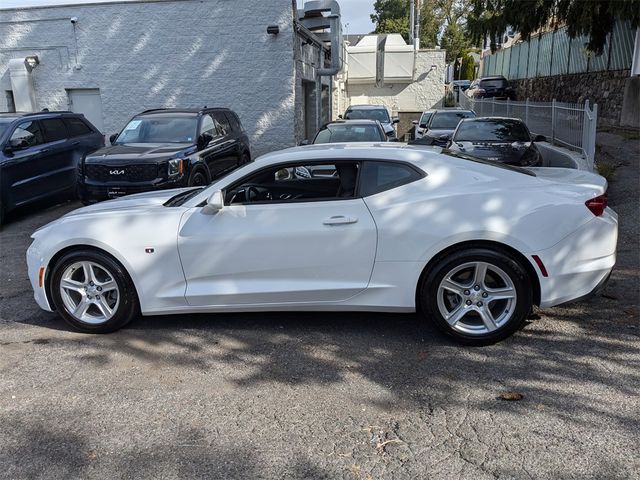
{"points": [[597, 204]]}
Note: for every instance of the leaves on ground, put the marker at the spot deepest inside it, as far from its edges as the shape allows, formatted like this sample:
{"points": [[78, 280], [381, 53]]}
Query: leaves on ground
{"points": [[511, 396]]}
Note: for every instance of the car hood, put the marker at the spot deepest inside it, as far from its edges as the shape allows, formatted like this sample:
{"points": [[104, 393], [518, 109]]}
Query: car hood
{"points": [[142, 152], [497, 152]]}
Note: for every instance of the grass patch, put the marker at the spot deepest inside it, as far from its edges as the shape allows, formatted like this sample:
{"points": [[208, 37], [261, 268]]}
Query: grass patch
{"points": [[607, 170]]}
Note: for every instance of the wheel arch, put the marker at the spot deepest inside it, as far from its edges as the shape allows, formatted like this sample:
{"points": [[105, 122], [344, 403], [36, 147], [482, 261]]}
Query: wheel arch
{"points": [[521, 258], [200, 166], [70, 248]]}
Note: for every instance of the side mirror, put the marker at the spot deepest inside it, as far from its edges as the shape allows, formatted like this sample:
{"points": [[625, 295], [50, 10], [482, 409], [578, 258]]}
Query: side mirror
{"points": [[540, 138], [304, 142], [214, 204], [340, 116], [15, 144], [113, 138], [395, 120], [423, 125], [203, 140], [415, 122]]}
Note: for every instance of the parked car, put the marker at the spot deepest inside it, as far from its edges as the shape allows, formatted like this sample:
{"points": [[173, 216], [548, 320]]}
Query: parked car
{"points": [[421, 124], [504, 140], [461, 85], [347, 131], [40, 153], [491, 87], [165, 148], [438, 130], [472, 244], [373, 112]]}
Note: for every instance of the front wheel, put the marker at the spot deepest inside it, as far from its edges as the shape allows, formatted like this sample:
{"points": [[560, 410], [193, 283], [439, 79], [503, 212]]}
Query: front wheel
{"points": [[92, 292], [478, 296]]}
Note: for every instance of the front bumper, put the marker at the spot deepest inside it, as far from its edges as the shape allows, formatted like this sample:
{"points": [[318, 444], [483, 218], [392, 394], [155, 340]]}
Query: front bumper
{"points": [[91, 192], [580, 263]]}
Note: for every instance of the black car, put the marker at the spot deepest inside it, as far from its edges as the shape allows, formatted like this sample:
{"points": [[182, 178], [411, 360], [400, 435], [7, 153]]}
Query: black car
{"points": [[504, 140], [345, 131], [40, 153], [491, 87], [438, 130], [165, 148]]}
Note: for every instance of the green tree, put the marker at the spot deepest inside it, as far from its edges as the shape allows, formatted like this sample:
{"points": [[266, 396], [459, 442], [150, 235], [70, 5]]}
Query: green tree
{"points": [[593, 18], [468, 68], [392, 16], [454, 41]]}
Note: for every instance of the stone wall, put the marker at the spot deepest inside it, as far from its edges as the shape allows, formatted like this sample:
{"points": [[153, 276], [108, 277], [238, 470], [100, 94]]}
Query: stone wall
{"points": [[604, 88], [149, 54]]}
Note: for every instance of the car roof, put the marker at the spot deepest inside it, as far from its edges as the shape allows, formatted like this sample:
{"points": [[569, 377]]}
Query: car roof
{"points": [[366, 107], [491, 119], [364, 121], [186, 111], [41, 114], [457, 110], [494, 77]]}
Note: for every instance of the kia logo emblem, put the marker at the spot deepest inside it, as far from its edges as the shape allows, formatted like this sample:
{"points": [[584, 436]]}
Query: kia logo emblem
{"points": [[116, 172]]}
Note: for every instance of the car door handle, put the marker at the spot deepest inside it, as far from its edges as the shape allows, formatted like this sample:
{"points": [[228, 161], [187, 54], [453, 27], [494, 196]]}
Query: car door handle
{"points": [[339, 220], [44, 150]]}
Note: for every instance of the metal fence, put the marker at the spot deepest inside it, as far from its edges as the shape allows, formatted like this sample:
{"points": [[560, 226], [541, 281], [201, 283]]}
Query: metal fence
{"points": [[555, 53], [569, 125]]}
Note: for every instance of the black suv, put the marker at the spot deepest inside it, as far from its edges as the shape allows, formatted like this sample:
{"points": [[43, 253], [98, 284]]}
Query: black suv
{"points": [[491, 87], [40, 153], [165, 148]]}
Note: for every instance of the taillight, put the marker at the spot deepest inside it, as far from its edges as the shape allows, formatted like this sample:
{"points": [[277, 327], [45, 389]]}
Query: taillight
{"points": [[597, 204]]}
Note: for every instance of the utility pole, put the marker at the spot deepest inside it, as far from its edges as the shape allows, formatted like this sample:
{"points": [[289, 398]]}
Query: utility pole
{"points": [[412, 21], [416, 43]]}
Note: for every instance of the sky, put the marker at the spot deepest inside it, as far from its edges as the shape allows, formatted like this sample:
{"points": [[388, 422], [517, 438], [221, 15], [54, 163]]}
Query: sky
{"points": [[355, 13]]}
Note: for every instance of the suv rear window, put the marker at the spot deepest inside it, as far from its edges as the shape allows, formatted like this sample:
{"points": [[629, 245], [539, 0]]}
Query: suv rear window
{"points": [[378, 177], [54, 129], [77, 127], [494, 83]]}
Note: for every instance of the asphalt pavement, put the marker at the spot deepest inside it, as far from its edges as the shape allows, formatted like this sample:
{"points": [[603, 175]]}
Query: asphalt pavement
{"points": [[324, 395]]}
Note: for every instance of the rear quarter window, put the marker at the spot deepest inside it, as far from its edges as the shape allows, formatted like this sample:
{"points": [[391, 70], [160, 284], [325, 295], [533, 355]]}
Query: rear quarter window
{"points": [[77, 127], [378, 177]]}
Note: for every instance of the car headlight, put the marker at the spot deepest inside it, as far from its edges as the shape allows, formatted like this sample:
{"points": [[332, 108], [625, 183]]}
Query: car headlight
{"points": [[175, 168]]}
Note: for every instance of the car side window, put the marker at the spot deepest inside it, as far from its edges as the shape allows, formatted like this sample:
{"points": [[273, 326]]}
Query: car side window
{"points": [[208, 126], [223, 123], [381, 176], [27, 134], [296, 182], [77, 127], [54, 130]]}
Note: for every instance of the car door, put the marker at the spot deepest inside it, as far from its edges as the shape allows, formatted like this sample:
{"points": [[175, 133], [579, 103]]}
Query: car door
{"points": [[228, 141], [279, 251], [214, 153], [25, 170], [61, 154]]}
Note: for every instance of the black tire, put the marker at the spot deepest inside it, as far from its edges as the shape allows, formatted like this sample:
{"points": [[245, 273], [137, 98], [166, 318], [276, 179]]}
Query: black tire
{"points": [[519, 308], [128, 305], [198, 178]]}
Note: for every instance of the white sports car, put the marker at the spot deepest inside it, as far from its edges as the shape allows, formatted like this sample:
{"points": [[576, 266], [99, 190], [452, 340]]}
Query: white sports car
{"points": [[388, 227]]}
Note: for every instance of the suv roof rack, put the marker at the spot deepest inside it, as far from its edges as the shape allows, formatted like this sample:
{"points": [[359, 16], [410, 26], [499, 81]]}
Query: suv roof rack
{"points": [[46, 112], [183, 110]]}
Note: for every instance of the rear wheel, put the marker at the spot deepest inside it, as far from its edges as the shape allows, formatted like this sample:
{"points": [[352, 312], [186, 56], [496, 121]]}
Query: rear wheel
{"points": [[93, 292], [478, 296]]}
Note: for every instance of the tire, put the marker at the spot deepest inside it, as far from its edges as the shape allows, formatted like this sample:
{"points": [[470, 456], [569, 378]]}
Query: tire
{"points": [[493, 311], [108, 293], [198, 178]]}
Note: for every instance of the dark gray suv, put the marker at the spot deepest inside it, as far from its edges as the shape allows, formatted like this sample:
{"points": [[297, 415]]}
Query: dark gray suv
{"points": [[40, 153]]}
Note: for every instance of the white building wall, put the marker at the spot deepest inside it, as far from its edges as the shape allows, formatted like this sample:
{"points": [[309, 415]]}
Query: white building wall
{"points": [[426, 91], [174, 53]]}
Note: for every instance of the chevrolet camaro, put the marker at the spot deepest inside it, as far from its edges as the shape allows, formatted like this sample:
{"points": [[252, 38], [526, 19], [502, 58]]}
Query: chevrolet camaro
{"points": [[471, 244]]}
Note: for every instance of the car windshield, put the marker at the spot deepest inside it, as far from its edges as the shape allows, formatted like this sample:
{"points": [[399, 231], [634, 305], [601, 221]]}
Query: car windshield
{"points": [[449, 120], [497, 131], [379, 114], [348, 133], [424, 119], [495, 83], [160, 129]]}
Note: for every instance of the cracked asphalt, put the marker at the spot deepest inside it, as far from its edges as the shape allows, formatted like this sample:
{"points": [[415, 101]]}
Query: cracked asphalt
{"points": [[301, 395]]}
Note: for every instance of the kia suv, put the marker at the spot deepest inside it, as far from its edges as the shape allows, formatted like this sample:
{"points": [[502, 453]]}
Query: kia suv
{"points": [[40, 153], [165, 148]]}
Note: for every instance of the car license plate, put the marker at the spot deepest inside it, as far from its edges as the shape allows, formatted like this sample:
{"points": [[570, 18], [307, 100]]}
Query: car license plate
{"points": [[115, 193]]}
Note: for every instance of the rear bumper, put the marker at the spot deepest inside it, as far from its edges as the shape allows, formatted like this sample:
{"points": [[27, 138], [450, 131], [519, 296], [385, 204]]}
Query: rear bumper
{"points": [[580, 264]]}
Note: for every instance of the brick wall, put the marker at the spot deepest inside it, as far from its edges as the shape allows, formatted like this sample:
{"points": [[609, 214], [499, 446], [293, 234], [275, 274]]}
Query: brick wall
{"points": [[152, 54]]}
